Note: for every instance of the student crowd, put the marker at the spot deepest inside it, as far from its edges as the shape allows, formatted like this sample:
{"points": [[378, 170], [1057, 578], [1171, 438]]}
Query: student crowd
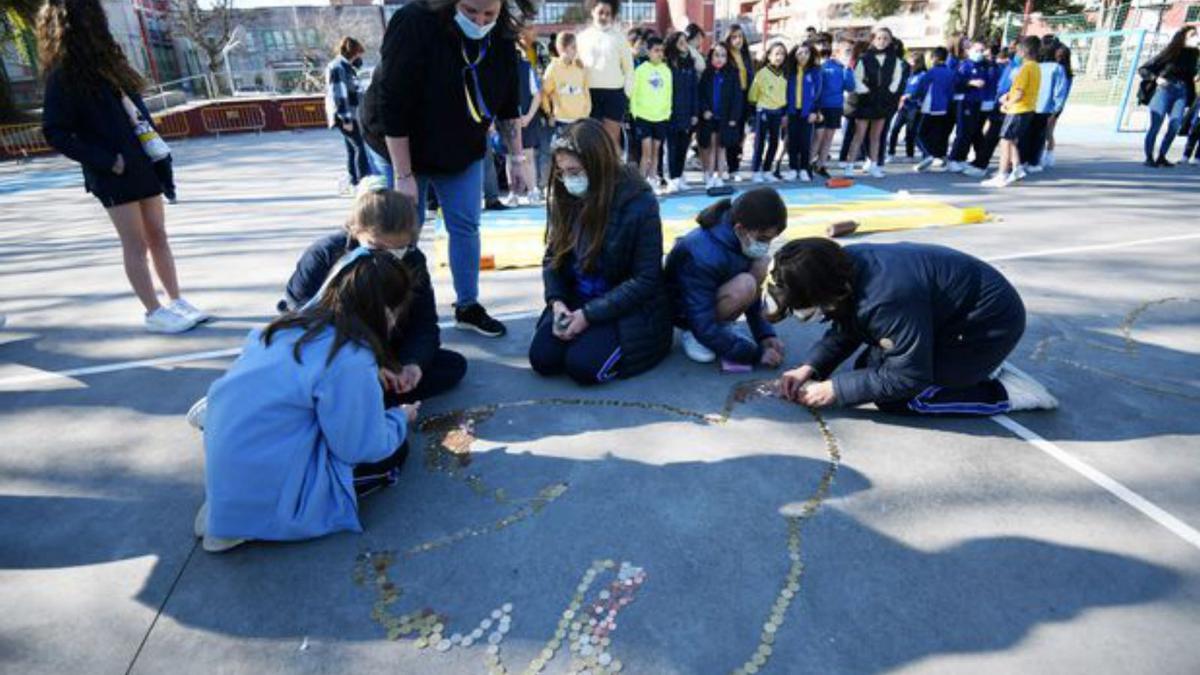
{"points": [[318, 409]]}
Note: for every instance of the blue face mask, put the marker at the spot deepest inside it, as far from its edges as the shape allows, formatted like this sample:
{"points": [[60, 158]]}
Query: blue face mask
{"points": [[470, 29], [577, 186]]}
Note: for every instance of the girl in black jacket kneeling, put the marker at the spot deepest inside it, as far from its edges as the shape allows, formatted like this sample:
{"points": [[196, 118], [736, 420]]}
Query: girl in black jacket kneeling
{"points": [[607, 313]]}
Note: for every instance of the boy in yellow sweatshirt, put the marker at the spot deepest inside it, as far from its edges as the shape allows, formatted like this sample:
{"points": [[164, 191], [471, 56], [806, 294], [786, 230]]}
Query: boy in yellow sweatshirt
{"points": [[1018, 106], [565, 96], [650, 106], [768, 94]]}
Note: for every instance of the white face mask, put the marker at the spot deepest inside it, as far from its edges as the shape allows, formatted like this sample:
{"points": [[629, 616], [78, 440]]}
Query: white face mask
{"points": [[976, 56], [470, 29], [1193, 41], [754, 248], [576, 185]]}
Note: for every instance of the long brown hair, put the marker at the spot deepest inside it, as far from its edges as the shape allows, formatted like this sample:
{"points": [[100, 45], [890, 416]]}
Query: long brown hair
{"points": [[587, 140], [73, 36], [356, 304]]}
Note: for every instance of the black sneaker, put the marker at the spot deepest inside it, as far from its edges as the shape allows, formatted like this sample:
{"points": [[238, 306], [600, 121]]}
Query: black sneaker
{"points": [[1163, 163], [475, 317], [822, 171], [1150, 163], [495, 205]]}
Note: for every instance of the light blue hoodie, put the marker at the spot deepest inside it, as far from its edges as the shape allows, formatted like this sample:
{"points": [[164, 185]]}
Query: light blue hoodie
{"points": [[281, 438], [1052, 94]]}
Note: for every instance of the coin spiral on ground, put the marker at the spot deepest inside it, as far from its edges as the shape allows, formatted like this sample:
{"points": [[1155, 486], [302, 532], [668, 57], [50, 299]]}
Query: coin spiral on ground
{"points": [[587, 622]]}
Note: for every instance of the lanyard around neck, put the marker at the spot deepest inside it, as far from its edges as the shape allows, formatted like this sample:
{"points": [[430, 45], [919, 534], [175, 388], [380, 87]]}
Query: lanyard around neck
{"points": [[472, 89]]}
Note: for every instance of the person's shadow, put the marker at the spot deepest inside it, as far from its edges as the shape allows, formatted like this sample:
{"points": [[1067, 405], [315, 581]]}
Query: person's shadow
{"points": [[696, 505]]}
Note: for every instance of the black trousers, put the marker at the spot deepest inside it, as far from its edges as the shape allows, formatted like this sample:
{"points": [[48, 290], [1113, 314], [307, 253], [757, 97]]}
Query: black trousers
{"points": [[447, 369], [933, 135], [733, 153], [678, 143], [907, 120], [970, 131], [991, 138], [593, 357], [799, 142], [1034, 141]]}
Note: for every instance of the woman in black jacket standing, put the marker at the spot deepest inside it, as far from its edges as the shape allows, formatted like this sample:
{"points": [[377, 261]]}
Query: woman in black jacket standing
{"points": [[607, 312], [1173, 72], [94, 115]]}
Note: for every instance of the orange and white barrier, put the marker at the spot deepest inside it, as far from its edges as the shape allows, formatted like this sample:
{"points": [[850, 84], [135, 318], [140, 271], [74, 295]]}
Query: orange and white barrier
{"points": [[300, 114], [226, 118], [22, 140], [173, 125]]}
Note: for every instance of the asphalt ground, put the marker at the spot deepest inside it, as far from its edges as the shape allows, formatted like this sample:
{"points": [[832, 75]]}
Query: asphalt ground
{"points": [[756, 535]]}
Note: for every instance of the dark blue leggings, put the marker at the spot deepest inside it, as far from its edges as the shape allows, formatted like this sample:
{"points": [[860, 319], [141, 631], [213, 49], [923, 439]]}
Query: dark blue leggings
{"points": [[766, 134], [593, 357]]}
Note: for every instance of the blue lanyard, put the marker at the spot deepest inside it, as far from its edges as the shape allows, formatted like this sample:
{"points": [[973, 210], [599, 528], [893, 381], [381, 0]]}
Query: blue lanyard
{"points": [[476, 105]]}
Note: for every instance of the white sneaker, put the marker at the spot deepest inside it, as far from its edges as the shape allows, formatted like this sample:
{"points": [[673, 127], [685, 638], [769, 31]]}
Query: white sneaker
{"points": [[1019, 174], [1024, 392], [718, 182], [163, 320], [189, 311], [923, 165], [998, 181], [973, 171], [694, 350], [791, 175], [955, 167], [197, 414], [670, 188], [758, 177], [735, 177], [848, 170], [1048, 159], [939, 163], [1034, 168], [805, 177], [876, 171], [1195, 161]]}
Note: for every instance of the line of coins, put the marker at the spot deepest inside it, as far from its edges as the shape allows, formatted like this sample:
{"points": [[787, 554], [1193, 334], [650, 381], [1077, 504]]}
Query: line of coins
{"points": [[795, 517], [587, 623], [544, 497]]}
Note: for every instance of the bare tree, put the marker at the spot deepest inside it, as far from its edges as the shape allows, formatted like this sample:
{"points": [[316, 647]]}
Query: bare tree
{"points": [[210, 29]]}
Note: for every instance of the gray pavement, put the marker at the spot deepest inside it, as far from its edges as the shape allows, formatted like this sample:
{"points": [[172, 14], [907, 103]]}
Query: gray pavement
{"points": [[941, 546]]}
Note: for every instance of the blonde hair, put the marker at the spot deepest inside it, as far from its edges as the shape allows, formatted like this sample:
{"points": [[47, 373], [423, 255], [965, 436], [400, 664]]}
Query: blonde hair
{"points": [[382, 211]]}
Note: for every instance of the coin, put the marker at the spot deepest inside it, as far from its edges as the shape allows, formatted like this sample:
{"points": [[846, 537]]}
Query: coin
{"points": [[507, 608], [495, 638]]}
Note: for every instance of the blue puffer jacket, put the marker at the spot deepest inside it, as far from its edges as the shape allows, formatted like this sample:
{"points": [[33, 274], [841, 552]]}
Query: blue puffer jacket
{"points": [[700, 262], [917, 303], [810, 92], [685, 95], [631, 261]]}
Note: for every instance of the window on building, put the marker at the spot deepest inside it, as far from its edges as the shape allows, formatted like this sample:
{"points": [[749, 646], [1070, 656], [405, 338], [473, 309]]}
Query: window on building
{"points": [[1193, 14], [312, 38]]}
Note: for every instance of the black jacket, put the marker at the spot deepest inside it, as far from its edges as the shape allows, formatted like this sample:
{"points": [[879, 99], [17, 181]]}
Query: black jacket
{"points": [[632, 263], [92, 128], [1181, 69], [419, 339], [917, 303], [422, 82]]}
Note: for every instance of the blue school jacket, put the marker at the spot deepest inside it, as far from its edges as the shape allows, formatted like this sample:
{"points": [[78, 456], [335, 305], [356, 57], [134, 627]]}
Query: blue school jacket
{"points": [[420, 338], [700, 262], [969, 70], [836, 81], [989, 95], [1004, 84], [919, 304], [721, 94], [910, 90], [685, 95], [1052, 93], [936, 90], [281, 438], [810, 91]]}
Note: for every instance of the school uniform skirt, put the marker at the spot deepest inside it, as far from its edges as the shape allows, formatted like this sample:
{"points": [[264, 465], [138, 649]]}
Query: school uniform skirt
{"points": [[139, 181]]}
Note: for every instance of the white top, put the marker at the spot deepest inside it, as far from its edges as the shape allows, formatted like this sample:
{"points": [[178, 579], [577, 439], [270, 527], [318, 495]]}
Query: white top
{"points": [[607, 57]]}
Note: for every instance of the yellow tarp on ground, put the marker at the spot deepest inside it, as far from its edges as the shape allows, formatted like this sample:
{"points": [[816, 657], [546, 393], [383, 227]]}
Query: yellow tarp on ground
{"points": [[519, 245]]}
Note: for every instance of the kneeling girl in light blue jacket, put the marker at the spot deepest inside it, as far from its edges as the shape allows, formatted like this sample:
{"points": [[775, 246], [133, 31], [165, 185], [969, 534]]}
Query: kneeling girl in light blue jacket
{"points": [[297, 430]]}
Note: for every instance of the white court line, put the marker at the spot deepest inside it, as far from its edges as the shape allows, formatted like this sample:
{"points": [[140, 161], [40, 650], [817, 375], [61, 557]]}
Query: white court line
{"points": [[179, 358], [199, 356], [1118, 490], [1094, 247]]}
